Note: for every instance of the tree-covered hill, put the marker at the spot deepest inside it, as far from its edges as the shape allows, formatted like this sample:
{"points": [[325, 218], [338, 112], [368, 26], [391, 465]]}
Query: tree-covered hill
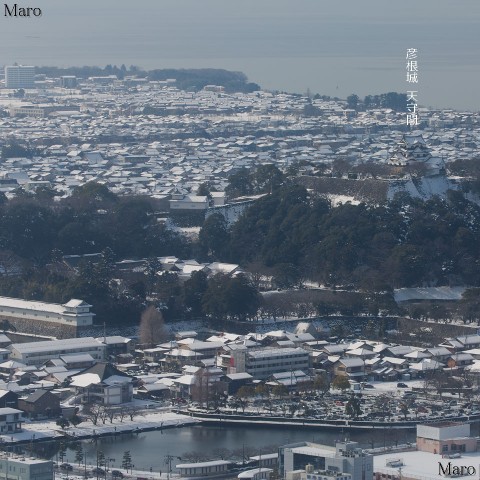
{"points": [[403, 243], [287, 234]]}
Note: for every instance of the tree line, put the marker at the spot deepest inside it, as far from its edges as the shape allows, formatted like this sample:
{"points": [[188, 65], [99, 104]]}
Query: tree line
{"points": [[186, 78]]}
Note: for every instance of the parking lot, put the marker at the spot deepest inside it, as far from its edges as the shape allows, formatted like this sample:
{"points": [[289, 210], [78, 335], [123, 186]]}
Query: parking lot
{"points": [[373, 402]]}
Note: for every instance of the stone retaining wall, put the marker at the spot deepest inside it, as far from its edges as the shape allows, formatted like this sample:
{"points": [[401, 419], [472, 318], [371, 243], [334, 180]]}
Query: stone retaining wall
{"points": [[40, 327]]}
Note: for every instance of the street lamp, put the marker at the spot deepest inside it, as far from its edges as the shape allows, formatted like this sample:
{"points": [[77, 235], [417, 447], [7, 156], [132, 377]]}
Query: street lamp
{"points": [[31, 444], [168, 461]]}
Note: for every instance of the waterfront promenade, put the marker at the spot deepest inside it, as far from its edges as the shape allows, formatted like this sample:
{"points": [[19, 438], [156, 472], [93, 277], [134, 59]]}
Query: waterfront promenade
{"points": [[49, 430]]}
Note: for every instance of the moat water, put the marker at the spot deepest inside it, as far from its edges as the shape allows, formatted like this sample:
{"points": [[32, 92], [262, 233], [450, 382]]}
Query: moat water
{"points": [[149, 449]]}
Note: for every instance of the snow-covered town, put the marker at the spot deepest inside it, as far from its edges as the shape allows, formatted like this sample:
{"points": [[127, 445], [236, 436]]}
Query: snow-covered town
{"points": [[149, 137], [69, 378], [110, 385], [239, 240]]}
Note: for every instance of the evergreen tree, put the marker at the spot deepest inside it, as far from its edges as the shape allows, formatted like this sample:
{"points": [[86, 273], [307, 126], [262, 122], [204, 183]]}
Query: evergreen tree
{"points": [[193, 290], [79, 454], [101, 460], [214, 237], [62, 451], [127, 460]]}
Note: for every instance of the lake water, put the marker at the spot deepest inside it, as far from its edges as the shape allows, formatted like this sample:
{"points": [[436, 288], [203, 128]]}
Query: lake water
{"points": [[333, 48]]}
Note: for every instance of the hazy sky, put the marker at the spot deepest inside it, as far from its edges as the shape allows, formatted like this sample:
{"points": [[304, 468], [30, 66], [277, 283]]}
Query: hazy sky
{"points": [[334, 47]]}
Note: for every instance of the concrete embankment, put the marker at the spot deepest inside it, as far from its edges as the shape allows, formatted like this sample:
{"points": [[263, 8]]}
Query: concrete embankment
{"points": [[222, 419]]}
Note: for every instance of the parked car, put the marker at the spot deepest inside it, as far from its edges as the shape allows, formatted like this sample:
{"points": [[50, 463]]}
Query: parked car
{"points": [[66, 466], [402, 385], [368, 385], [98, 471], [117, 474]]}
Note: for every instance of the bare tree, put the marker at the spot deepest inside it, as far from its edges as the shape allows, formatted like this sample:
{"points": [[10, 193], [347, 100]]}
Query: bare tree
{"points": [[268, 404], [283, 407], [382, 403], [321, 383], [222, 453], [200, 389], [269, 307], [122, 413], [132, 412], [244, 395], [293, 407], [245, 452], [152, 327], [260, 275], [93, 412], [103, 413], [194, 456], [111, 413], [218, 394]]}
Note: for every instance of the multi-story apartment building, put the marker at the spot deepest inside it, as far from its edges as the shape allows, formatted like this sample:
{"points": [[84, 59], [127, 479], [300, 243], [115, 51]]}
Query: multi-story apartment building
{"points": [[19, 76]]}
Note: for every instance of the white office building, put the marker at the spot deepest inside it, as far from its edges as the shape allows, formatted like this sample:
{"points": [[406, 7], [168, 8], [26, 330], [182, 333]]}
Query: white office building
{"points": [[343, 460], [19, 76], [265, 362]]}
